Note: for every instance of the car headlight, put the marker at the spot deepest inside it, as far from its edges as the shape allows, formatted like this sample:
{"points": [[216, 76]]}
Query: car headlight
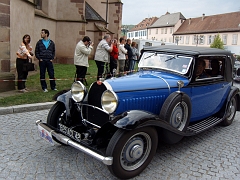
{"points": [[109, 101], [78, 91]]}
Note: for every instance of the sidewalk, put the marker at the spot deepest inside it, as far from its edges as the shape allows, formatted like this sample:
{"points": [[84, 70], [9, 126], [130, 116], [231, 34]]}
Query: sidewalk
{"points": [[25, 108]]}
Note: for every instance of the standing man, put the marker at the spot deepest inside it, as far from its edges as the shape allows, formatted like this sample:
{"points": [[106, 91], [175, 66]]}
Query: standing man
{"points": [[102, 54], [82, 50], [122, 56], [45, 53], [129, 57]]}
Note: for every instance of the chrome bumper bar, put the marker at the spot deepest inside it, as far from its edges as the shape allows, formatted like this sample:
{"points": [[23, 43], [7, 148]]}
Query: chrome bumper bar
{"points": [[66, 140]]}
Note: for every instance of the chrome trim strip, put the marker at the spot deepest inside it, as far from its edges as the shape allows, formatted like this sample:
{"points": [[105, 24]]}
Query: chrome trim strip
{"points": [[66, 140], [164, 81], [108, 86], [95, 107]]}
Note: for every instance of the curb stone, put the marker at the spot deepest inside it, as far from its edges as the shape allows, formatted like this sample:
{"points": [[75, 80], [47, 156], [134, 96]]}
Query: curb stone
{"points": [[25, 108]]}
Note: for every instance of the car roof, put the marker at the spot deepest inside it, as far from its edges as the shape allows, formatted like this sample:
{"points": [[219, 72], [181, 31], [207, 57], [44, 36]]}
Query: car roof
{"points": [[191, 50]]}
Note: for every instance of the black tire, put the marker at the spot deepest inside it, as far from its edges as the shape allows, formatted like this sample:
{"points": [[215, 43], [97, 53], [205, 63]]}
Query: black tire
{"points": [[56, 115], [231, 111], [176, 110], [124, 145]]}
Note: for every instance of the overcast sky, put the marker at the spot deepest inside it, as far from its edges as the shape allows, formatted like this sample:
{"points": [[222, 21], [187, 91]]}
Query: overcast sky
{"points": [[134, 11]]}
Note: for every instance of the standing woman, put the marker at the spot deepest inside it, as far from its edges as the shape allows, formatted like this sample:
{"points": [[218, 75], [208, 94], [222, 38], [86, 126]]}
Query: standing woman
{"points": [[24, 53], [114, 57]]}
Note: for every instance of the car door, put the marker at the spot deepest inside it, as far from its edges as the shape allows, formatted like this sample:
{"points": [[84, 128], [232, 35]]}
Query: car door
{"points": [[209, 94]]}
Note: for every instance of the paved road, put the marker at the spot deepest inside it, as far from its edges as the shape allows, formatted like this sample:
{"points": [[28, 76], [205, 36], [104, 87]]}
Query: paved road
{"points": [[23, 155]]}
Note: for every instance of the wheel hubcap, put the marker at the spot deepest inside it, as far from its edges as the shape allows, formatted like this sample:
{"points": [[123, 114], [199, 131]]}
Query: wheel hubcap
{"points": [[179, 116], [135, 151]]}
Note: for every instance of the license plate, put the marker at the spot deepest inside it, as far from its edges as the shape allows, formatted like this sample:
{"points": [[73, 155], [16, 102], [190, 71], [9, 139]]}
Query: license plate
{"points": [[46, 135], [69, 132]]}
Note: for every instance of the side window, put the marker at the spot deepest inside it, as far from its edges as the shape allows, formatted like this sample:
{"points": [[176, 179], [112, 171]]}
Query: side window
{"points": [[209, 68]]}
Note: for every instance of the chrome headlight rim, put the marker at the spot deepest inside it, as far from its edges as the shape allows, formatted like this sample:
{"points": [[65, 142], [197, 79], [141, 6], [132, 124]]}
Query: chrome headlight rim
{"points": [[78, 91], [113, 109]]}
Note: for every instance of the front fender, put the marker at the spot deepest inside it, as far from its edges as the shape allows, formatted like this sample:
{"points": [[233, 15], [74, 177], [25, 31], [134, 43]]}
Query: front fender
{"points": [[134, 119], [66, 100]]}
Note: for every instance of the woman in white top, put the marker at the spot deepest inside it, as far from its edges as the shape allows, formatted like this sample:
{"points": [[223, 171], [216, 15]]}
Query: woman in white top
{"points": [[121, 56]]}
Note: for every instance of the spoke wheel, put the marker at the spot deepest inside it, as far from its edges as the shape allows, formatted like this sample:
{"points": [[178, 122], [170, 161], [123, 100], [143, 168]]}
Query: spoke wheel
{"points": [[132, 151]]}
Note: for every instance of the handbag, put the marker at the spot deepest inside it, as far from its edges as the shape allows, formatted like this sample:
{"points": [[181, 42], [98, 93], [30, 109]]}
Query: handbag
{"points": [[29, 66]]}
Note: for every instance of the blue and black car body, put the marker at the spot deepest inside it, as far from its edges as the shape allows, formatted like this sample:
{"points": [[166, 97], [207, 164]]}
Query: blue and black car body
{"points": [[120, 120]]}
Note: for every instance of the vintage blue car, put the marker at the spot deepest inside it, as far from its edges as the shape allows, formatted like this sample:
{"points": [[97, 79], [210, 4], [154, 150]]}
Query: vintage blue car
{"points": [[178, 91]]}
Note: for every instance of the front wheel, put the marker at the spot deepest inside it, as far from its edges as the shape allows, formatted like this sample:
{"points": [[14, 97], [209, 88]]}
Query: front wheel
{"points": [[231, 111], [56, 115], [132, 151]]}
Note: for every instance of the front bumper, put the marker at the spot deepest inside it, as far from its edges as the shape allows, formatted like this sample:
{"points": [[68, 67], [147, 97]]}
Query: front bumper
{"points": [[66, 140]]}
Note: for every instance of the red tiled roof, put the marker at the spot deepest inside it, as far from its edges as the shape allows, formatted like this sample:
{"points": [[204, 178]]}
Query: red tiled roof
{"points": [[144, 24], [209, 24]]}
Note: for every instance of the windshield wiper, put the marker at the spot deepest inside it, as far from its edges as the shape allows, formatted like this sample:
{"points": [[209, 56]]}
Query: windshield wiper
{"points": [[151, 55], [174, 57]]}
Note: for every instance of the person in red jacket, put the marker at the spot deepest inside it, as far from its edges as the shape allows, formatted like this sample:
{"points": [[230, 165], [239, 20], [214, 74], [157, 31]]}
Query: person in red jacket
{"points": [[114, 57]]}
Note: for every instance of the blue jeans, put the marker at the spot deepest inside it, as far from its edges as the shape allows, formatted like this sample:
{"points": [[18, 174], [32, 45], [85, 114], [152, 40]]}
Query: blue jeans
{"points": [[49, 66], [131, 65]]}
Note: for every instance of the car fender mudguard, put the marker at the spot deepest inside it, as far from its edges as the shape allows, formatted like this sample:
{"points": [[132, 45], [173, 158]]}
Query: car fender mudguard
{"points": [[234, 92], [66, 100], [135, 119]]}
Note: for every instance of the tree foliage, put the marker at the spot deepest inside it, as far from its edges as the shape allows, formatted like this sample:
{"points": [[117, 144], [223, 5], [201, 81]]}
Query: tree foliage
{"points": [[217, 43]]}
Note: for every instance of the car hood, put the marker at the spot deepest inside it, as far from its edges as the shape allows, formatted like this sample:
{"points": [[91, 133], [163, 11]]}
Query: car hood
{"points": [[146, 80]]}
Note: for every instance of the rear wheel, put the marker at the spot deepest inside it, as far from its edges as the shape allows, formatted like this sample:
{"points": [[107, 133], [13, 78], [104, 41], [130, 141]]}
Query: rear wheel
{"points": [[132, 151], [231, 111], [56, 115]]}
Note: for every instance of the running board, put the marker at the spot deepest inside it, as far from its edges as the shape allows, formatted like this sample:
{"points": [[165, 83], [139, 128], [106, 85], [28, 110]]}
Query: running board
{"points": [[203, 125]]}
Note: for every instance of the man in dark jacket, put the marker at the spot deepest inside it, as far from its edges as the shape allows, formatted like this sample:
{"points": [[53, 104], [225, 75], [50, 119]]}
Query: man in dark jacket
{"points": [[45, 53], [129, 56]]}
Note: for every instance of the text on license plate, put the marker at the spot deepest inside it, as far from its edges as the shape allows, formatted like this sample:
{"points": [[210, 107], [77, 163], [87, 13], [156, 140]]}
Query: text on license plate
{"points": [[69, 132]]}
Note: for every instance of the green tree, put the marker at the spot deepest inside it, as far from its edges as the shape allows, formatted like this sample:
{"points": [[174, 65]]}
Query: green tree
{"points": [[217, 43]]}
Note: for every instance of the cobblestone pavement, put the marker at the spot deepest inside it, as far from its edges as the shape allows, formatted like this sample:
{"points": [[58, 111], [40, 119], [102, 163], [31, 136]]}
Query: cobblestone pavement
{"points": [[214, 154]]}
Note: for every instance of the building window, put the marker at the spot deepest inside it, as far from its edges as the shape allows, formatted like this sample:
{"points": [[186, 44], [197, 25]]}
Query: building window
{"points": [[38, 4], [201, 40], [187, 39], [211, 39], [234, 39], [162, 31], [156, 31], [171, 30], [165, 30], [136, 34], [224, 39], [165, 40], [149, 31], [181, 39]]}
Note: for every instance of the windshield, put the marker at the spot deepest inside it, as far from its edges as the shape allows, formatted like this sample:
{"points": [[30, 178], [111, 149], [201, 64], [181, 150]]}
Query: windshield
{"points": [[177, 63]]}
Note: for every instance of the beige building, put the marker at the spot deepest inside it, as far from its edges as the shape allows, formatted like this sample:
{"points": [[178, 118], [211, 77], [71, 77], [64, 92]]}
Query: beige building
{"points": [[139, 31], [201, 31], [163, 29], [67, 20]]}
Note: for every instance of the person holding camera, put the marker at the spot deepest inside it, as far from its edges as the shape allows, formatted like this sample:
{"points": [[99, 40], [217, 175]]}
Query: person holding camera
{"points": [[24, 53], [102, 55], [82, 50]]}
